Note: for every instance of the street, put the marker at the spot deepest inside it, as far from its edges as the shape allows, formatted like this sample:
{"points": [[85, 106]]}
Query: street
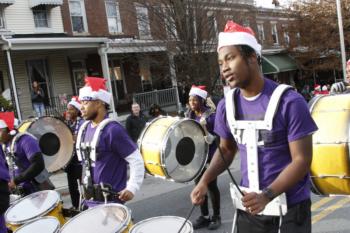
{"points": [[159, 197]]}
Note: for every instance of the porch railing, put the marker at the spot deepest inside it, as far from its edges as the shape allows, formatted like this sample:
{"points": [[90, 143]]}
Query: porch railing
{"points": [[163, 98], [57, 105]]}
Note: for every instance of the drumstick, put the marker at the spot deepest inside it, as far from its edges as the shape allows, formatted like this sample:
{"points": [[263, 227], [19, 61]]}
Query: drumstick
{"points": [[188, 216]]}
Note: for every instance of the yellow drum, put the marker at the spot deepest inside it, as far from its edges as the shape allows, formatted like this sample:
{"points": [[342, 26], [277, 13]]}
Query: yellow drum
{"points": [[330, 168], [174, 148], [111, 217], [172, 224], [55, 140], [34, 206], [41, 225]]}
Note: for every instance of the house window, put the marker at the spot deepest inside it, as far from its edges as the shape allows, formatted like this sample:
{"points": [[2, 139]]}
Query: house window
{"points": [[261, 32], [41, 19], [274, 33], [78, 16], [143, 22], [2, 20], [113, 17]]}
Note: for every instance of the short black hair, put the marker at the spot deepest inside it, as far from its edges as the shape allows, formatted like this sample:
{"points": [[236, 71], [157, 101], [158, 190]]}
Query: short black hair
{"points": [[247, 51]]}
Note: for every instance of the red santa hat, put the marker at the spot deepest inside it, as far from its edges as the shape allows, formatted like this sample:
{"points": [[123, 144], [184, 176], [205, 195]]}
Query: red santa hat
{"points": [[7, 120], [235, 34], [75, 102], [199, 91], [317, 87], [95, 89]]}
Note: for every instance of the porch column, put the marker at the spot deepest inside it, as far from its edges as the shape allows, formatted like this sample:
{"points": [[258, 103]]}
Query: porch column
{"points": [[105, 69], [14, 87], [173, 79]]}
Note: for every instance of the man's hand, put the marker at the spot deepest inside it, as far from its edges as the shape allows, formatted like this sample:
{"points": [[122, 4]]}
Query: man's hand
{"points": [[198, 194], [125, 195], [11, 185], [338, 87], [254, 202]]}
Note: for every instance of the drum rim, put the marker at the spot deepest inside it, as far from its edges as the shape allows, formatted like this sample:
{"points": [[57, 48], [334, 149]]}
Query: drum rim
{"points": [[162, 151], [42, 218], [54, 205], [165, 216], [124, 225]]}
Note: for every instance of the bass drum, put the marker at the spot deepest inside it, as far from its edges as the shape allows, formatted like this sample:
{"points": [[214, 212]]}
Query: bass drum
{"points": [[174, 148], [55, 140], [330, 167]]}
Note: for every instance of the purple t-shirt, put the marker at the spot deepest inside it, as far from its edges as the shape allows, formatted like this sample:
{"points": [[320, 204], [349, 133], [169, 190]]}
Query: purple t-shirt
{"points": [[210, 127], [25, 148], [113, 146], [4, 170], [292, 121]]}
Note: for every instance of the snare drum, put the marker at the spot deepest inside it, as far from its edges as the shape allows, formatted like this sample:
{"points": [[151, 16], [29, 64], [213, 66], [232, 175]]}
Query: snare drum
{"points": [[41, 225], [172, 224], [111, 218], [330, 168], [34, 206], [174, 148]]}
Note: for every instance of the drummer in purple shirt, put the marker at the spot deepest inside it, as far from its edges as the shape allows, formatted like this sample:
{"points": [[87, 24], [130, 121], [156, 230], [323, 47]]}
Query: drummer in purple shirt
{"points": [[284, 152], [115, 150], [4, 190], [27, 156]]}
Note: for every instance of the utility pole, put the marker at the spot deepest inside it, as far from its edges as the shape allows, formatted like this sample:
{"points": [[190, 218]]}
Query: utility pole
{"points": [[341, 36]]}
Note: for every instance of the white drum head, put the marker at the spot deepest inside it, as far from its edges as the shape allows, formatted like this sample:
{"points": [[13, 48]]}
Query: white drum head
{"points": [[32, 206], [41, 225], [172, 224], [108, 218]]}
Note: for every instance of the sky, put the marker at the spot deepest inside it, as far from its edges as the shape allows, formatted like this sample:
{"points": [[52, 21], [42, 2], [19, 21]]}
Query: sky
{"points": [[268, 3]]}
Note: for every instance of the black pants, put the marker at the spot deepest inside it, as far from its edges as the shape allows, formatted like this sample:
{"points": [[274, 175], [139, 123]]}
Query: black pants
{"points": [[74, 173], [297, 220], [214, 194]]}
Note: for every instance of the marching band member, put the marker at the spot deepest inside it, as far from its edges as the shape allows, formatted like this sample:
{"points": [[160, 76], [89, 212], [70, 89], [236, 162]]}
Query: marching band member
{"points": [[74, 168], [27, 166], [106, 149], [203, 114], [271, 126], [4, 189]]}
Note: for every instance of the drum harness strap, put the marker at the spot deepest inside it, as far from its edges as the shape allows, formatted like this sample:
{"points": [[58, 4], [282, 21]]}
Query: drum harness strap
{"points": [[87, 153], [244, 131]]}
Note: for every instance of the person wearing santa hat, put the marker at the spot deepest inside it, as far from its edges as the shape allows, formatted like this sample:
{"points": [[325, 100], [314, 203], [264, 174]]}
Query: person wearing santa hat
{"points": [[4, 188], [74, 168], [25, 153], [271, 127], [341, 87], [204, 115], [111, 148]]}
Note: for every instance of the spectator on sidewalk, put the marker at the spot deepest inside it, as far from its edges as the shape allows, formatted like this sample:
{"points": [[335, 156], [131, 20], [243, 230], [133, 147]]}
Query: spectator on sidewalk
{"points": [[38, 96], [156, 111], [135, 122]]}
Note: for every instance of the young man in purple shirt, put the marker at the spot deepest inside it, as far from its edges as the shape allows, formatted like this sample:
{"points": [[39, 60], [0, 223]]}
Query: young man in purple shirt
{"points": [[111, 147], [283, 152], [205, 115], [26, 156]]}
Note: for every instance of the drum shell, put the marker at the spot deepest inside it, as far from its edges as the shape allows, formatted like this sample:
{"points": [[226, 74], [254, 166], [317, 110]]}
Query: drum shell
{"points": [[55, 210], [154, 146], [330, 168], [50, 127], [92, 222], [154, 225]]}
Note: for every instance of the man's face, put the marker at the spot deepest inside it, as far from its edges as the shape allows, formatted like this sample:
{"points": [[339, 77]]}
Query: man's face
{"points": [[233, 68], [135, 109], [348, 73], [89, 109], [194, 103], [72, 112]]}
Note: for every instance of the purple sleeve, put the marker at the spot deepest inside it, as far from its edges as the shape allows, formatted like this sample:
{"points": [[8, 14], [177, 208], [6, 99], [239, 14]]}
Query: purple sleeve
{"points": [[298, 117], [221, 128], [29, 145], [211, 123], [120, 141]]}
